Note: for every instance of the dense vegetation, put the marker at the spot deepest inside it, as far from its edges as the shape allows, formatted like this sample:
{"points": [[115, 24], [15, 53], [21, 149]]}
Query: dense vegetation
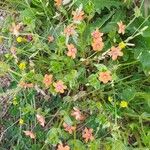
{"points": [[74, 75]]}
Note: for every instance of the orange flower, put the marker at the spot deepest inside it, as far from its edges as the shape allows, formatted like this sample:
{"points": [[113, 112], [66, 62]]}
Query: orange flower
{"points": [[105, 76], [69, 30], [115, 52], [30, 134], [59, 86], [15, 29], [58, 3], [41, 120], [50, 39], [122, 27], [69, 128], [71, 51], [77, 114], [97, 35], [97, 45], [61, 147], [87, 135], [97, 41], [47, 80], [26, 85], [78, 15]]}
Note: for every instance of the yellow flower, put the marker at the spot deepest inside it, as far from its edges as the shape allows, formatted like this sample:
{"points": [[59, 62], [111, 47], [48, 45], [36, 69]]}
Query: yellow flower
{"points": [[110, 99], [21, 121], [122, 45], [15, 102], [19, 39], [22, 66], [124, 104]]}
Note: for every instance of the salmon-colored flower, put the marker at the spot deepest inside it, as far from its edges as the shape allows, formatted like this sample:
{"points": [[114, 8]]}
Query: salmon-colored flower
{"points": [[59, 86], [26, 85], [58, 3], [115, 52], [69, 30], [61, 147], [15, 28], [48, 80], [77, 114], [97, 41], [105, 77], [97, 35], [69, 128], [97, 45], [30, 134], [78, 15], [122, 27], [41, 120], [71, 51], [50, 38], [87, 135]]}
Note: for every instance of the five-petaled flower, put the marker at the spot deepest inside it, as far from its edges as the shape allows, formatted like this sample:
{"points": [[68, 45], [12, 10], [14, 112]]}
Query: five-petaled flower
{"points": [[122, 45], [59, 86], [21, 121], [69, 128], [123, 104], [97, 35], [22, 66], [50, 38], [30, 134], [97, 41], [26, 85], [40, 119], [61, 147], [71, 51], [97, 45], [58, 3], [78, 15], [77, 114], [69, 30], [48, 80], [87, 135], [15, 28], [105, 76], [122, 27], [115, 52]]}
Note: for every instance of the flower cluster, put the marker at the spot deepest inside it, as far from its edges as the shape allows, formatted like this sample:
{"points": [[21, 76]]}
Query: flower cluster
{"points": [[97, 41], [59, 85], [75, 75], [71, 51]]}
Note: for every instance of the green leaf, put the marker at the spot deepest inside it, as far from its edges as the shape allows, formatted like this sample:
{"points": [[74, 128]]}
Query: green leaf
{"points": [[93, 81], [53, 136], [4, 68], [100, 67], [71, 78], [145, 60], [56, 66], [68, 120], [28, 17], [142, 52], [128, 94], [99, 4], [118, 145], [95, 145], [76, 145]]}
